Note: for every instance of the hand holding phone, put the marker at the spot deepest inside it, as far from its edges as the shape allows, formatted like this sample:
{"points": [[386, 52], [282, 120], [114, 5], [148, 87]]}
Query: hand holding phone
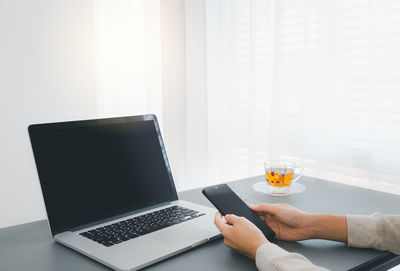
{"points": [[227, 202]]}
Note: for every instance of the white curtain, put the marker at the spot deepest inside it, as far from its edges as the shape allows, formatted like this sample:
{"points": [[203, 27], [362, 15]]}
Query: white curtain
{"points": [[239, 82]]}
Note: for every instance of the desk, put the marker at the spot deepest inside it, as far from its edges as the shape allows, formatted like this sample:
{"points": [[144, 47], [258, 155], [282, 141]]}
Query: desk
{"points": [[30, 246]]}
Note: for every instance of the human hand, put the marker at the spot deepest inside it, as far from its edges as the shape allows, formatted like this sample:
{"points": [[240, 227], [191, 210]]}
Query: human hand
{"points": [[288, 222], [240, 234], [292, 224]]}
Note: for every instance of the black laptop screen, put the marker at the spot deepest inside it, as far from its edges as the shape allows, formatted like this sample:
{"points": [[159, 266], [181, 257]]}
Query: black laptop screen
{"points": [[92, 170]]}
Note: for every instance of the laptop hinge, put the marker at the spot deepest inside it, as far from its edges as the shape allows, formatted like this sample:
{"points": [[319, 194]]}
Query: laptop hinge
{"points": [[105, 220]]}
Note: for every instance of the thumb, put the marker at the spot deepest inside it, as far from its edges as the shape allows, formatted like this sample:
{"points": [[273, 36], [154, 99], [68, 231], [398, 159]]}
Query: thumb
{"points": [[231, 219], [265, 208]]}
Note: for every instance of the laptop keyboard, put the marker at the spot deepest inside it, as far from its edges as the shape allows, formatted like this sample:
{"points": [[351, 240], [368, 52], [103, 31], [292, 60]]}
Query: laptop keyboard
{"points": [[134, 227]]}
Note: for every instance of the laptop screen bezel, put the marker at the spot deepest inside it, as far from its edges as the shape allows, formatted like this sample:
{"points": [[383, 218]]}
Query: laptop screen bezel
{"points": [[38, 129]]}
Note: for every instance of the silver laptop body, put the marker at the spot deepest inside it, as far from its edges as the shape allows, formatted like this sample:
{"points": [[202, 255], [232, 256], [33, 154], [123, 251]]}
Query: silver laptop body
{"points": [[101, 179]]}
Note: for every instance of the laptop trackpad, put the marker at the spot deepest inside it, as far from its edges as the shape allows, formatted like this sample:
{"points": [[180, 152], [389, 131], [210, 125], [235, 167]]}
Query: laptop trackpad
{"points": [[181, 236]]}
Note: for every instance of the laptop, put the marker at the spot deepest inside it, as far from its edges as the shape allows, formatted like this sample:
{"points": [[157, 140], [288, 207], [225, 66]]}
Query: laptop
{"points": [[109, 192]]}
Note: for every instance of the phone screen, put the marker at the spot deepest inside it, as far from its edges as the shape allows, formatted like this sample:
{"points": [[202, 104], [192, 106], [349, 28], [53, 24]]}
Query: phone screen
{"points": [[228, 202]]}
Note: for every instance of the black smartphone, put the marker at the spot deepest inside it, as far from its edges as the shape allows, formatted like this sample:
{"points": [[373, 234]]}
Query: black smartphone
{"points": [[227, 202]]}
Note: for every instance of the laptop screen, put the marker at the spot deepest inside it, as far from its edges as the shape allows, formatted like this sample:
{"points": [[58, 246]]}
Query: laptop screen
{"points": [[97, 169]]}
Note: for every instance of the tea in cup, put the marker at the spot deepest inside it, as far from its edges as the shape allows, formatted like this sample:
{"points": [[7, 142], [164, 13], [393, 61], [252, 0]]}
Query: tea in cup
{"points": [[280, 175]]}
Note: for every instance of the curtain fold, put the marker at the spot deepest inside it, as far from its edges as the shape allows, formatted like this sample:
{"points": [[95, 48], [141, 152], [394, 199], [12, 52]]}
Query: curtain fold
{"points": [[240, 82], [315, 82]]}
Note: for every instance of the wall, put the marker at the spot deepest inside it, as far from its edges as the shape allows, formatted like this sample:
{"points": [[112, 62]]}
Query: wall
{"points": [[47, 73]]}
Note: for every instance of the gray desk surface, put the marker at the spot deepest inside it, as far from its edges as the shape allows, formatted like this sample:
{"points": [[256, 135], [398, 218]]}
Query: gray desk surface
{"points": [[30, 246]]}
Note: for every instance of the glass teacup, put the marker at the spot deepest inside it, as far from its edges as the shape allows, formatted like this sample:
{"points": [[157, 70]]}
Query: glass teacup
{"points": [[281, 175]]}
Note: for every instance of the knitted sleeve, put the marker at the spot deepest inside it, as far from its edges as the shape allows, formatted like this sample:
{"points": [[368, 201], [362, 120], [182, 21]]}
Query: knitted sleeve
{"points": [[377, 231], [270, 257]]}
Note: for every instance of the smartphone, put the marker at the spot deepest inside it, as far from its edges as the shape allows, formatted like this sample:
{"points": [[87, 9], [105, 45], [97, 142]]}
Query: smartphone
{"points": [[228, 202]]}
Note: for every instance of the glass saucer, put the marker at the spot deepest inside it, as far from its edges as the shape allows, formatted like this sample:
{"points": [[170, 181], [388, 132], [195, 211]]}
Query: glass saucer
{"points": [[264, 188]]}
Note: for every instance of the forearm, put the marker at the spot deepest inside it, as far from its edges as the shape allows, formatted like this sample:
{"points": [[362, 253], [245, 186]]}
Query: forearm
{"points": [[330, 227], [375, 231]]}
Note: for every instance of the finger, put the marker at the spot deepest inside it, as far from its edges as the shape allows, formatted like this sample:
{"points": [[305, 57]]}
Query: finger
{"points": [[269, 217], [266, 208], [270, 221], [221, 225], [262, 216], [260, 207], [260, 213], [227, 243], [231, 219]]}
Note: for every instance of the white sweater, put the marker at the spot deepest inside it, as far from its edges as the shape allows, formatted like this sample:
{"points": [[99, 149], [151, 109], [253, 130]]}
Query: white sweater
{"points": [[374, 231]]}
